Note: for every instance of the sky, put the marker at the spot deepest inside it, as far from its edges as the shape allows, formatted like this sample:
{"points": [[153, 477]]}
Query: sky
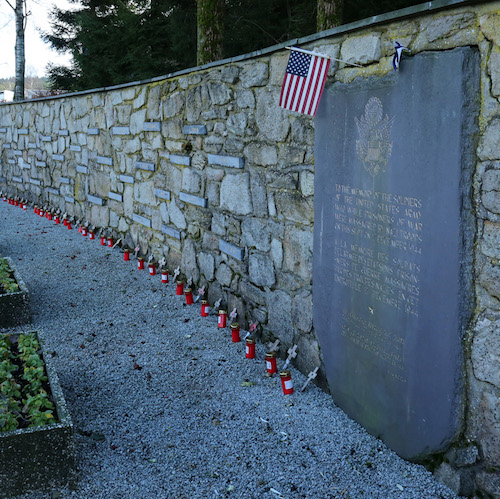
{"points": [[37, 53]]}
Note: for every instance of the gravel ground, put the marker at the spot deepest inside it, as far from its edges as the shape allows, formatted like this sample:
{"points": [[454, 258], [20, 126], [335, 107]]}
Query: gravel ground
{"points": [[182, 412]]}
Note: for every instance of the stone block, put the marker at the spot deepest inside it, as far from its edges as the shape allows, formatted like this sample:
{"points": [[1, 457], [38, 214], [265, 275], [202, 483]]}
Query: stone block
{"points": [[245, 99], [489, 145], [191, 181], [490, 245], [176, 216], [489, 483], [485, 353], [259, 194], [224, 274], [236, 123], [206, 263], [189, 265], [302, 311], [306, 182], [272, 121], [235, 194], [298, 247], [279, 306], [255, 74], [261, 270], [173, 104], [195, 200], [141, 220], [295, 207], [256, 233], [363, 49], [261, 154], [489, 278], [231, 250]]}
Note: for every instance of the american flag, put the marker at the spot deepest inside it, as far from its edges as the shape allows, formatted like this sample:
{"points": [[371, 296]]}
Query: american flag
{"points": [[304, 81]]}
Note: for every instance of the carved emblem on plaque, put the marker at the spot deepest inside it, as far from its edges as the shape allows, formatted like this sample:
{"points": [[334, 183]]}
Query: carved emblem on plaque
{"points": [[374, 146]]}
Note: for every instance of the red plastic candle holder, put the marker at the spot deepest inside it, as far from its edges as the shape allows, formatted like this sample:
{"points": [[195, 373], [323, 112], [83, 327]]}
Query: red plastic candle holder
{"points": [[68, 225], [110, 242], [189, 296], [222, 321], [91, 235], [140, 263], [235, 332], [164, 276], [271, 366], [286, 382], [103, 241], [152, 269], [250, 348], [126, 255], [84, 231], [180, 288], [205, 308]]}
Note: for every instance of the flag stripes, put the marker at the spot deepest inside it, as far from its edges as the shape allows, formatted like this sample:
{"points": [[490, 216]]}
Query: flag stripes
{"points": [[304, 82]]}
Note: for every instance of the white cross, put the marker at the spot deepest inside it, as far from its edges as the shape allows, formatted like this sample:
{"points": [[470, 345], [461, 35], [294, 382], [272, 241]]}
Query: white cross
{"points": [[150, 259], [310, 377], [291, 355], [190, 282], [233, 314], [117, 243], [217, 304], [274, 346], [177, 271], [163, 262], [201, 292], [137, 248]]}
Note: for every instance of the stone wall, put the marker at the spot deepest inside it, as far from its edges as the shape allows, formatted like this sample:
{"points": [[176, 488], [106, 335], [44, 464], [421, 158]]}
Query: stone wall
{"points": [[204, 168]]}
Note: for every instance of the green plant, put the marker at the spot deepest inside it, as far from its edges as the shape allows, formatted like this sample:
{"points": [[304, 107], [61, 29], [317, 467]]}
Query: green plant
{"points": [[7, 281]]}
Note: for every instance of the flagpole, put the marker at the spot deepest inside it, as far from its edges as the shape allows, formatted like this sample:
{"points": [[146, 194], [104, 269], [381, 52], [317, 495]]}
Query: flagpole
{"points": [[317, 54]]}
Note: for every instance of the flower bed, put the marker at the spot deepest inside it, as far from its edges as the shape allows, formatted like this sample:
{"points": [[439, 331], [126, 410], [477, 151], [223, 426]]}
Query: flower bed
{"points": [[14, 296], [36, 432]]}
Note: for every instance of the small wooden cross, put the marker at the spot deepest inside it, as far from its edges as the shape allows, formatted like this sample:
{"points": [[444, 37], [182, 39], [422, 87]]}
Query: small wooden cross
{"points": [[273, 347], [217, 304], [233, 314], [163, 262], [201, 292], [292, 353], [190, 282], [310, 377], [177, 271], [150, 259], [137, 248], [117, 243]]}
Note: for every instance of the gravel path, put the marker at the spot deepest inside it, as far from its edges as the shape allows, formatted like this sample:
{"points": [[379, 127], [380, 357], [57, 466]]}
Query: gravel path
{"points": [[166, 406]]}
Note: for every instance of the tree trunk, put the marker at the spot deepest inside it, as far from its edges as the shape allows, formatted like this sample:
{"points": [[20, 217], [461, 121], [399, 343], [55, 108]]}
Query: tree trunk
{"points": [[329, 14], [20, 61], [210, 20]]}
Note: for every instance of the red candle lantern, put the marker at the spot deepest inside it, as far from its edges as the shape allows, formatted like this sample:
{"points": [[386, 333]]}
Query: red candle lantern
{"points": [[50, 216], [164, 276], [57, 220], [91, 235], [140, 263], [180, 288], [40, 213], [110, 242], [80, 229], [235, 332], [35, 210], [16, 202], [250, 348], [24, 206], [286, 382], [68, 225], [152, 268], [189, 296], [46, 213], [205, 308], [84, 231], [271, 363], [222, 321], [103, 240], [126, 255], [65, 222]]}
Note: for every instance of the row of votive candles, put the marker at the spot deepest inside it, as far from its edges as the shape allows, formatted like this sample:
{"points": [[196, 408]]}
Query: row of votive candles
{"points": [[271, 360]]}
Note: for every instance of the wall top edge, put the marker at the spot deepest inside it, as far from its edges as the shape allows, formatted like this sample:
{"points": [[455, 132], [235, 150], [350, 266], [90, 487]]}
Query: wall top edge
{"points": [[387, 17]]}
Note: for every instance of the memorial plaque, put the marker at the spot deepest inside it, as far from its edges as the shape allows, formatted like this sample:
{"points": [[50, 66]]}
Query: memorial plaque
{"points": [[393, 246]]}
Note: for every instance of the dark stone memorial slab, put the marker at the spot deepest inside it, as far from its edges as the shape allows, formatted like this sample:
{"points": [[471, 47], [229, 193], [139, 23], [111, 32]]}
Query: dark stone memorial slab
{"points": [[393, 238]]}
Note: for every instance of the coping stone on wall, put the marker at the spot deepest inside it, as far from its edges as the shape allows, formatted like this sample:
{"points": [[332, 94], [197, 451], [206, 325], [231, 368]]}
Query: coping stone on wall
{"points": [[40, 163], [231, 250], [189, 198], [45, 138], [93, 131], [17, 179], [141, 220], [120, 130], [35, 181], [115, 196], [94, 199], [162, 194], [75, 148], [69, 199], [64, 180], [53, 191], [81, 169], [195, 129], [230, 161], [152, 126], [127, 179], [178, 159], [169, 231], [105, 160], [143, 165], [58, 157], [63, 133], [23, 131]]}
